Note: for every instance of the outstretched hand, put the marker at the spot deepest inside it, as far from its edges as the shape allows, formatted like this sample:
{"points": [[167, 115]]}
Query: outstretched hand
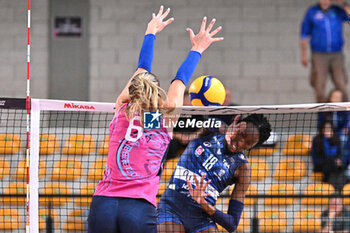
{"points": [[233, 130], [198, 193], [157, 24], [204, 38]]}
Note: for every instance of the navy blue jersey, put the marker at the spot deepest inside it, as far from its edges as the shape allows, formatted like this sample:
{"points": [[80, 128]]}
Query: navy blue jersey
{"points": [[208, 156]]}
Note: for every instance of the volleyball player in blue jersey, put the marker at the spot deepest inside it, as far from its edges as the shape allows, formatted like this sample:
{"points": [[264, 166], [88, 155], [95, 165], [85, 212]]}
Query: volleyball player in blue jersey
{"points": [[209, 165]]}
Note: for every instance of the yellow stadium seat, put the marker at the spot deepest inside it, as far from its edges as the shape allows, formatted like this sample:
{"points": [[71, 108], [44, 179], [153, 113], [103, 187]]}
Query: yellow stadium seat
{"points": [[15, 189], [290, 169], [10, 143], [263, 151], [272, 220], [97, 169], [259, 169], [280, 189], [88, 189], [21, 170], [9, 219], [4, 168], [103, 150], [75, 221], [317, 189], [48, 144], [243, 226], [316, 176], [308, 220], [79, 144], [346, 191], [67, 169], [43, 215], [169, 167], [55, 189], [299, 144]]}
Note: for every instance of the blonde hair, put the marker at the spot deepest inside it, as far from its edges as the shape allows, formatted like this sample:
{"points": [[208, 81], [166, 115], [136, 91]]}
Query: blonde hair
{"points": [[145, 95]]}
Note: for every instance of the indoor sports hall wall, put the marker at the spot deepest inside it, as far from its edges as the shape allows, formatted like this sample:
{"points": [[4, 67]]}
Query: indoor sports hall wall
{"points": [[258, 60]]}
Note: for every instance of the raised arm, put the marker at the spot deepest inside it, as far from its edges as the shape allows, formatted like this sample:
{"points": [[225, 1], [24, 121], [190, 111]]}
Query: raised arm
{"points": [[156, 25], [200, 43], [230, 220]]}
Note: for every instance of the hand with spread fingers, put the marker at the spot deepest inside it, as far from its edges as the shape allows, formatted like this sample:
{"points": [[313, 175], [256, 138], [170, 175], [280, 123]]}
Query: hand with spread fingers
{"points": [[205, 36], [198, 193], [157, 24]]}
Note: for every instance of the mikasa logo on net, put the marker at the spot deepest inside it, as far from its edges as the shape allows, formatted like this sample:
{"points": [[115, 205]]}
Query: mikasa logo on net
{"points": [[153, 120], [78, 106]]}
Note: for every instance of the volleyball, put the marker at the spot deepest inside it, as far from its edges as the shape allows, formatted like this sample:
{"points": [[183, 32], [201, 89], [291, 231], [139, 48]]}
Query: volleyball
{"points": [[207, 91]]}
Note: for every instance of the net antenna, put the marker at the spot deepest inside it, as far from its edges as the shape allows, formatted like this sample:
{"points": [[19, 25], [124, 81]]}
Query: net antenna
{"points": [[28, 118]]}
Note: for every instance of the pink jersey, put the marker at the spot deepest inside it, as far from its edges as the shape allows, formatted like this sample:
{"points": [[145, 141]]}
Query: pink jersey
{"points": [[133, 166]]}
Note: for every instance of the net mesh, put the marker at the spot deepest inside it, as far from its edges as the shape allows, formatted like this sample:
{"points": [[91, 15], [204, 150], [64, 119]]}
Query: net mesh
{"points": [[285, 195], [12, 173]]}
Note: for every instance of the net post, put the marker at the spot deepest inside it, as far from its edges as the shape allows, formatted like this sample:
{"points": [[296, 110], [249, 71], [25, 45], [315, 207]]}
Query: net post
{"points": [[34, 166]]}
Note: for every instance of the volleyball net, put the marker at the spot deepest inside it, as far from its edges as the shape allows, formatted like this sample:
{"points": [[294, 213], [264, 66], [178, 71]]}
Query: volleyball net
{"points": [[69, 148]]}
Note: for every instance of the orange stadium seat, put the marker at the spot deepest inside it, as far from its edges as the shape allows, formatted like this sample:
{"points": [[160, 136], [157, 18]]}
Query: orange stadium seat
{"points": [[316, 176], [290, 169], [259, 169], [243, 226], [75, 221], [346, 191], [88, 189], [55, 189], [263, 151], [97, 169], [252, 190], [48, 144], [10, 143], [67, 169], [79, 144], [169, 167], [317, 189], [9, 219], [103, 150], [21, 170], [280, 189], [298, 144], [4, 168], [272, 220], [308, 220], [43, 215], [15, 189]]}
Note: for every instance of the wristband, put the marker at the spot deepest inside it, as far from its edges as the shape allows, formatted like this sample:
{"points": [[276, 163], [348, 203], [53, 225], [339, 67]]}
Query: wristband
{"points": [[229, 221], [187, 68], [146, 53]]}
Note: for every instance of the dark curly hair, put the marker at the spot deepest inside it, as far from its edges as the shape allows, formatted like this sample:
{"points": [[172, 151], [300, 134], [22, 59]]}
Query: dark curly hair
{"points": [[262, 124]]}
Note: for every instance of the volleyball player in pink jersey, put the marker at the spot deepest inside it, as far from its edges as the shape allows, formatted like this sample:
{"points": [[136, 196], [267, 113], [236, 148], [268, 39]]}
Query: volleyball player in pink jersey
{"points": [[125, 200]]}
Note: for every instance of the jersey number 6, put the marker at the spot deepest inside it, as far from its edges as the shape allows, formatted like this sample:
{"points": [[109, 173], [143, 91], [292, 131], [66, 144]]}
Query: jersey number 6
{"points": [[131, 127]]}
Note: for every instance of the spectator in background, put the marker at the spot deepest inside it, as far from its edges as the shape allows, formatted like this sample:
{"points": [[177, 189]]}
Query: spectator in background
{"points": [[340, 119], [323, 24], [326, 152], [336, 218]]}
